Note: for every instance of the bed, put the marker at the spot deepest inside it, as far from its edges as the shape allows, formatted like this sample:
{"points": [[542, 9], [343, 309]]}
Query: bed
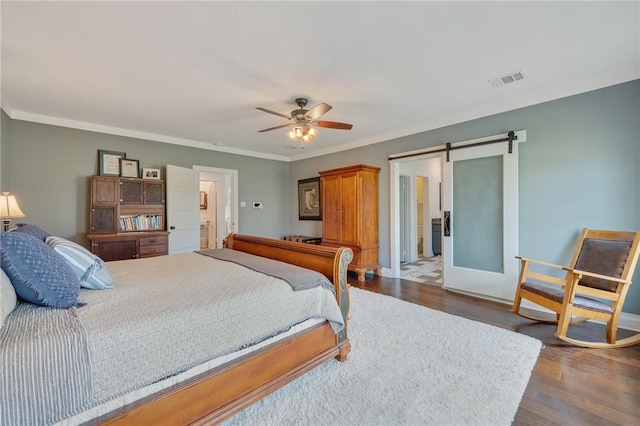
{"points": [[136, 373]]}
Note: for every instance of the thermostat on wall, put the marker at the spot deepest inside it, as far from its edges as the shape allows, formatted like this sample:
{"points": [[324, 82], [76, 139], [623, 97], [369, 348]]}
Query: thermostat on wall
{"points": [[257, 205]]}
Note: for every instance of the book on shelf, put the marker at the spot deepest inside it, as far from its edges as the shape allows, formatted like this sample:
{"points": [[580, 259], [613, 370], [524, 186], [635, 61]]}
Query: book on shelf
{"points": [[142, 223]]}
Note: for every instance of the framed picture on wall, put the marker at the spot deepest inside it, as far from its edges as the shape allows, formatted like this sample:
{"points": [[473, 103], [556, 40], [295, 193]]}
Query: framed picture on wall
{"points": [[203, 200], [309, 201], [109, 162], [129, 168]]}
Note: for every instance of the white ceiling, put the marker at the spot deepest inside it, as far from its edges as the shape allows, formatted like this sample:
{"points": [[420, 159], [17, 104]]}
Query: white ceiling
{"points": [[192, 73]]}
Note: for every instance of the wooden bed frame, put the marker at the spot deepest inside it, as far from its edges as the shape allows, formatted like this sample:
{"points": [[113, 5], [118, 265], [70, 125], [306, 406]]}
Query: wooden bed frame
{"points": [[218, 394]]}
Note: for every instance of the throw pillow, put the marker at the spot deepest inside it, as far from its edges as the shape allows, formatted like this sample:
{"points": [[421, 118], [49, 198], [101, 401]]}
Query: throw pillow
{"points": [[38, 274], [31, 230], [88, 267], [8, 298]]}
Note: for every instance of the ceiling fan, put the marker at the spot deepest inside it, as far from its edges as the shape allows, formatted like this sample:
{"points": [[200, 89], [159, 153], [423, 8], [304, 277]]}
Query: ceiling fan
{"points": [[303, 120]]}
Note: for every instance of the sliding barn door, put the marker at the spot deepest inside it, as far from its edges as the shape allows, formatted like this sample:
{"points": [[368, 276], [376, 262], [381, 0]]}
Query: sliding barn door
{"points": [[480, 220]]}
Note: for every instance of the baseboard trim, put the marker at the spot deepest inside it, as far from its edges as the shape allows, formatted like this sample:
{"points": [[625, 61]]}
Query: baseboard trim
{"points": [[627, 321]]}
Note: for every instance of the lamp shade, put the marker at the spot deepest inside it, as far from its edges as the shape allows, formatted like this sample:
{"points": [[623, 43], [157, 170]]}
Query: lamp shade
{"points": [[9, 208]]}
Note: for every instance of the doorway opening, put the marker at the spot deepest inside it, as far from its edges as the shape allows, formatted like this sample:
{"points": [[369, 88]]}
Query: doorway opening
{"points": [[218, 213], [419, 207]]}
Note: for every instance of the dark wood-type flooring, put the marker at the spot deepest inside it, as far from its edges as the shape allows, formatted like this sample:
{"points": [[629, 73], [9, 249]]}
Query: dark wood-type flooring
{"points": [[569, 385]]}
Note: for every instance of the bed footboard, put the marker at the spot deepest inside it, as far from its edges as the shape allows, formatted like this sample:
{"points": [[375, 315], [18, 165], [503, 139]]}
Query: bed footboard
{"points": [[330, 261], [216, 395]]}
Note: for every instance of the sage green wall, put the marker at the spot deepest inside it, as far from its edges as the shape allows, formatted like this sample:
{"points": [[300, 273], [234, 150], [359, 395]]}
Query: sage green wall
{"points": [[5, 123], [51, 165], [580, 167]]}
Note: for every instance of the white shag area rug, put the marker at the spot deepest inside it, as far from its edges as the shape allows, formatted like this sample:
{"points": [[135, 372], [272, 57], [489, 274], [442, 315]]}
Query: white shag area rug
{"points": [[408, 365]]}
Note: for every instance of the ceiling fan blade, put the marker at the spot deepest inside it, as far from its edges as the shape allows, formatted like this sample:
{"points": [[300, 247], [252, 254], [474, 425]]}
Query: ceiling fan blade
{"points": [[274, 113], [317, 111], [333, 125], [274, 128]]}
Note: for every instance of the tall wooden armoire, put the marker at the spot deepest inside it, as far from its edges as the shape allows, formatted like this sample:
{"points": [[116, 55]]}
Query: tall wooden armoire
{"points": [[350, 214]]}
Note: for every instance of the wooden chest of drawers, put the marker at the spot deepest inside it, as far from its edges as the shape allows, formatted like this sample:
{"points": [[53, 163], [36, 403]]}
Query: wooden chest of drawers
{"points": [[153, 246], [129, 245]]}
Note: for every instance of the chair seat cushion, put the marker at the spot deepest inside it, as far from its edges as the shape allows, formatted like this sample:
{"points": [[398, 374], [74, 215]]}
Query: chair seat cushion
{"points": [[556, 294]]}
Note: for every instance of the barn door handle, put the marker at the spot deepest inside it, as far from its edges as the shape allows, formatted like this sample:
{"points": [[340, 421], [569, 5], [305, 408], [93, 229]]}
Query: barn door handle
{"points": [[447, 223]]}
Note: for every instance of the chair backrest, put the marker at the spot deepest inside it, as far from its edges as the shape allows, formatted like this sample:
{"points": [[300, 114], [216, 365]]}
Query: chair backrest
{"points": [[610, 253]]}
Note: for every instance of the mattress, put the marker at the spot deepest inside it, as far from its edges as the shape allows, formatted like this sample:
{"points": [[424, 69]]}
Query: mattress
{"points": [[170, 318]]}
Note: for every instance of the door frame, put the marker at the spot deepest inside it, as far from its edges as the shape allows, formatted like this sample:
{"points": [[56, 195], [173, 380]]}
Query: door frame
{"points": [[405, 217], [234, 195], [394, 206], [394, 189]]}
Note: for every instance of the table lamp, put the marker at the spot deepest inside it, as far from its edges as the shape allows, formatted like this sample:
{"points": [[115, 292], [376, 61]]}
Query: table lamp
{"points": [[9, 209]]}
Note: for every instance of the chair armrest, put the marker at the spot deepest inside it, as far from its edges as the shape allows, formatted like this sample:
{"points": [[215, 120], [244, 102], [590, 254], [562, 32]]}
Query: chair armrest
{"points": [[594, 275], [539, 262]]}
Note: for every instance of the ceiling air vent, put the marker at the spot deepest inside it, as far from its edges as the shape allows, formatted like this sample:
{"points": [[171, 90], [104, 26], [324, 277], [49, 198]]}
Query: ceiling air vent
{"points": [[506, 79]]}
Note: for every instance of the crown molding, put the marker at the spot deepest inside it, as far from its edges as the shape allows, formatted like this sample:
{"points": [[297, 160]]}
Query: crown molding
{"points": [[98, 128]]}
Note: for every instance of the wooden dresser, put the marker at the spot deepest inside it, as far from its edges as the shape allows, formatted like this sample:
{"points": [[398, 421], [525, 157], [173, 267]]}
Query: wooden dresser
{"points": [[127, 218], [350, 214]]}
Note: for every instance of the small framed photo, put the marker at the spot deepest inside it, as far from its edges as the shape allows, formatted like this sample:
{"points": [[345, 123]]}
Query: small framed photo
{"points": [[109, 162], [309, 201], [203, 200], [129, 168], [150, 173]]}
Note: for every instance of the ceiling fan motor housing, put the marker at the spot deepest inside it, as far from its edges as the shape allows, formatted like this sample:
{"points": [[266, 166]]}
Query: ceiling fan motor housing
{"points": [[299, 114], [302, 102]]}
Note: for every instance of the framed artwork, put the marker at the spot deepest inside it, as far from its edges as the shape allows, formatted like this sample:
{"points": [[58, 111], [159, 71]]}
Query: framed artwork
{"points": [[129, 168], [109, 162], [150, 173], [203, 200], [309, 201]]}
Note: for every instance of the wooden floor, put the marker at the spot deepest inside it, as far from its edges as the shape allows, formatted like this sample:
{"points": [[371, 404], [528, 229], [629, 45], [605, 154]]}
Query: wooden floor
{"points": [[569, 385]]}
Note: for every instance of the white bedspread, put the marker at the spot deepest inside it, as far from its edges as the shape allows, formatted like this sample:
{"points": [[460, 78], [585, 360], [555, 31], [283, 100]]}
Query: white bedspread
{"points": [[170, 313]]}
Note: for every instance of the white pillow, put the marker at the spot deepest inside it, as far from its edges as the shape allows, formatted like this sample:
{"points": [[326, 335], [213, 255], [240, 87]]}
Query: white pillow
{"points": [[87, 266], [8, 298]]}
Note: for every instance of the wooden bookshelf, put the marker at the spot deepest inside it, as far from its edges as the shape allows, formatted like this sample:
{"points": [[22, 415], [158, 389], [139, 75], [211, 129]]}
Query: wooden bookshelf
{"points": [[127, 218]]}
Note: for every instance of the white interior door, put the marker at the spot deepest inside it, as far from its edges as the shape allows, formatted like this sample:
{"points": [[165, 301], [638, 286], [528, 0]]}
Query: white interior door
{"points": [[183, 209], [480, 238]]}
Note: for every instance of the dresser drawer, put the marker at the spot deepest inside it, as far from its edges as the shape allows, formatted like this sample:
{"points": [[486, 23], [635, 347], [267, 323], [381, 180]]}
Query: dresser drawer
{"points": [[153, 241], [156, 250], [153, 246]]}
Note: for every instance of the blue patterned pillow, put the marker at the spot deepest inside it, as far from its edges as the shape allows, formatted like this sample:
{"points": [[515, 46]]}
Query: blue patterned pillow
{"points": [[87, 266], [38, 274], [31, 230]]}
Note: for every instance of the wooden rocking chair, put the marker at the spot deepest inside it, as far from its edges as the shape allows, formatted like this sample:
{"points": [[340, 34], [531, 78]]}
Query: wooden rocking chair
{"points": [[594, 287]]}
